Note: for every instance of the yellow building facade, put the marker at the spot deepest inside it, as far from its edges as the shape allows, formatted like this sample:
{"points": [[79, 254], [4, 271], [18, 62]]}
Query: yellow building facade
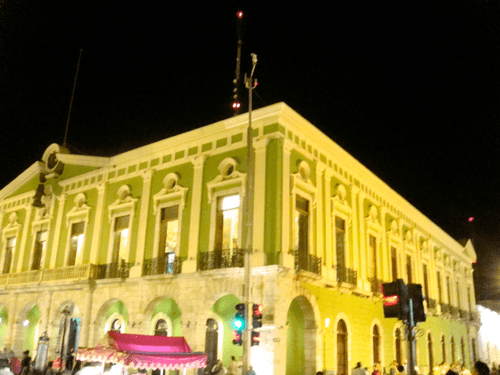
{"points": [[151, 241]]}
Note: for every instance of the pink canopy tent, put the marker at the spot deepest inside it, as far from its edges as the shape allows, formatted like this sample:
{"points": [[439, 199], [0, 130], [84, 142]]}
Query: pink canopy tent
{"points": [[144, 352]]}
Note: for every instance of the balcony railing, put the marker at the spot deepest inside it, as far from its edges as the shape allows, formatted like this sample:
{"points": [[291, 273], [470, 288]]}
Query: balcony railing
{"points": [[111, 270], [160, 266], [307, 262], [464, 314], [217, 259], [445, 308], [431, 304], [375, 285], [454, 311], [346, 275]]}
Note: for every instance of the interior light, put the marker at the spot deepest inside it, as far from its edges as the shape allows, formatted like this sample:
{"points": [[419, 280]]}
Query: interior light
{"points": [[26, 323]]}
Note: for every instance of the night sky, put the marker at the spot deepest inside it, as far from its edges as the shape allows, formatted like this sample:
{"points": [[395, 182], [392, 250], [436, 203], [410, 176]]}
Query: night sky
{"points": [[409, 88]]}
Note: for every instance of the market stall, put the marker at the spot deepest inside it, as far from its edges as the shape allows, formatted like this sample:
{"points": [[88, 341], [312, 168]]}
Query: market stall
{"points": [[144, 352]]}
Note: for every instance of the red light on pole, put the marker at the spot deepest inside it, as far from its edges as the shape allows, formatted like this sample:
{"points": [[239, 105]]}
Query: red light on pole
{"points": [[239, 14], [471, 219]]}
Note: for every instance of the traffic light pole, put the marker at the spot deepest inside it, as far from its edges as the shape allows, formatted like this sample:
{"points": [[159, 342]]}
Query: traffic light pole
{"points": [[248, 217], [410, 327]]}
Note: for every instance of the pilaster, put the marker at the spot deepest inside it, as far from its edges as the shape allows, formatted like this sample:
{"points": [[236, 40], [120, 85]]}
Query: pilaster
{"points": [[355, 229], [57, 231], [287, 259], [320, 213], [190, 265], [385, 251], [136, 270], [362, 256], [328, 235], [259, 205], [96, 234]]}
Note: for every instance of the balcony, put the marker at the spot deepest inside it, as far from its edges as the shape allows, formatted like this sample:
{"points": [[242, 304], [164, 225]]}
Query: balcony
{"points": [[346, 275], [218, 259], [454, 311], [161, 266], [375, 285], [465, 315], [111, 270], [431, 304], [445, 308], [307, 262]]}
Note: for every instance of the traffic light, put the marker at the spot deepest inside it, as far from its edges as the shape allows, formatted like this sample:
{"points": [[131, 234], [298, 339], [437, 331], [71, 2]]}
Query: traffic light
{"points": [[395, 300], [415, 292], [255, 338], [257, 316], [239, 317], [237, 340]]}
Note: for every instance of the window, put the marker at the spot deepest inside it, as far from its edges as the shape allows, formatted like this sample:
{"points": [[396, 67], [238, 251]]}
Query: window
{"points": [[376, 344], [168, 239], [408, 269], [448, 289], [452, 342], [161, 328], [340, 242], [443, 349], [394, 263], [426, 284], [398, 344], [39, 250], [301, 223], [372, 240], [120, 239], [440, 290], [342, 362], [76, 243], [468, 298], [227, 223], [9, 251], [458, 295], [430, 352]]}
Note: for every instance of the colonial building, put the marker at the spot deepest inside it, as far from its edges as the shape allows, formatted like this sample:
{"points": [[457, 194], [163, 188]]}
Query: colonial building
{"points": [[150, 241]]}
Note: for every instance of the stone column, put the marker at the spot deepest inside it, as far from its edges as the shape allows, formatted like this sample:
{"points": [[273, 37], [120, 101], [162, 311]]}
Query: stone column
{"points": [[320, 214], [11, 321], [328, 235], [361, 251], [136, 270], [86, 317], [190, 265]]}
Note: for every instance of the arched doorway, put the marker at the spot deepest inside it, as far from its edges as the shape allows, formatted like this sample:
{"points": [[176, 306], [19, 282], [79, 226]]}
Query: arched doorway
{"points": [[342, 349], [301, 338]]}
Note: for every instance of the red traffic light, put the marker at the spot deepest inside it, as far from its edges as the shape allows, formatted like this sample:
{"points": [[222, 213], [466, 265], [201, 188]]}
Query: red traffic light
{"points": [[391, 300], [257, 310], [239, 14], [236, 105]]}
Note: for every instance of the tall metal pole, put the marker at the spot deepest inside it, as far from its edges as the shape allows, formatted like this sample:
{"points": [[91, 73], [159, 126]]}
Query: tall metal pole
{"points": [[248, 219], [411, 341]]}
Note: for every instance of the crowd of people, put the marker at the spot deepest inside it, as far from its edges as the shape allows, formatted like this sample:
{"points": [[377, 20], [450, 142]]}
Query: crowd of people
{"points": [[10, 364], [444, 368]]}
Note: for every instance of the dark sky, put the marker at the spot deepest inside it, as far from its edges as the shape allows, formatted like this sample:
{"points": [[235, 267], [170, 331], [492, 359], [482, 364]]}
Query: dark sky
{"points": [[409, 88]]}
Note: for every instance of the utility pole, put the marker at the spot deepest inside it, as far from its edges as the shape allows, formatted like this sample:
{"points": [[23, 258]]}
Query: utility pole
{"points": [[248, 220]]}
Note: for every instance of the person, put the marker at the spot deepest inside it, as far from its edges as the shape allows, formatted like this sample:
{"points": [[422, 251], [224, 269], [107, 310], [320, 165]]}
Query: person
{"points": [[251, 371], [358, 370], [480, 368], [319, 373], [376, 370], [70, 360], [219, 368], [465, 371], [25, 363], [233, 367], [393, 368]]}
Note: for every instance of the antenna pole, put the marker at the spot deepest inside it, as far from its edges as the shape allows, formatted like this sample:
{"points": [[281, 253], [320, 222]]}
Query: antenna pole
{"points": [[72, 97], [236, 81]]}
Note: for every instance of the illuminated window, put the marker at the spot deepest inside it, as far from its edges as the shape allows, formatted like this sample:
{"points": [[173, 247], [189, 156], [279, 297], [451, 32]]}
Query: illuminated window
{"points": [[227, 223], [9, 251], [76, 243], [169, 232], [120, 239], [39, 250]]}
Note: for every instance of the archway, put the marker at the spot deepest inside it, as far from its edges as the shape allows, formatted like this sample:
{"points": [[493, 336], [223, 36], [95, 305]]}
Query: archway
{"points": [[30, 323], [3, 325], [301, 334]]}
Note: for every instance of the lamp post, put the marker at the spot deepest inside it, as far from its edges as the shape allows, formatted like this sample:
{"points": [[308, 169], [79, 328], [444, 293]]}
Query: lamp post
{"points": [[250, 84], [67, 311]]}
